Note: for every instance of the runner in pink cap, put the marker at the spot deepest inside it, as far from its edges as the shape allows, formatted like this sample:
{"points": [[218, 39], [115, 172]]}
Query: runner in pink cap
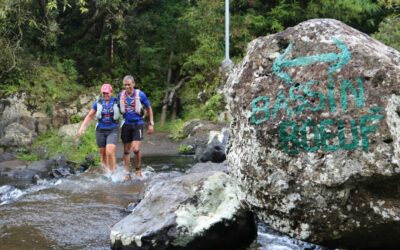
{"points": [[105, 110], [106, 88]]}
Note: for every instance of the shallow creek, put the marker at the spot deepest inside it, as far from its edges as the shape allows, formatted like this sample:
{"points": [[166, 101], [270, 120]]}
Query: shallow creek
{"points": [[77, 212]]}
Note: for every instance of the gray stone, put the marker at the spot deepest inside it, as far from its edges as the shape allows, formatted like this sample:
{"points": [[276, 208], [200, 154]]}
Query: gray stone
{"points": [[20, 170], [42, 165], [42, 122], [69, 130], [215, 149], [17, 135], [315, 140], [209, 166], [7, 157], [16, 169], [196, 211], [14, 110]]}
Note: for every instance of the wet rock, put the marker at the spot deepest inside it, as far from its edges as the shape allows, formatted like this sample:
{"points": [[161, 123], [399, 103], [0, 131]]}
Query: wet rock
{"points": [[7, 157], [8, 168], [163, 176], [42, 165], [60, 159], [21, 170], [215, 149], [17, 170], [61, 172], [196, 211], [197, 132], [209, 166], [315, 134]]}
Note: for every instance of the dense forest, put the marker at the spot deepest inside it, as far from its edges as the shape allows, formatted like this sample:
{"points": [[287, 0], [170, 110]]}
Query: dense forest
{"points": [[55, 49]]}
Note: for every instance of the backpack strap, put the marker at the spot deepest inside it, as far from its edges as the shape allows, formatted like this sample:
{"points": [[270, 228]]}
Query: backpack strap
{"points": [[115, 110], [99, 108], [137, 103], [122, 102]]}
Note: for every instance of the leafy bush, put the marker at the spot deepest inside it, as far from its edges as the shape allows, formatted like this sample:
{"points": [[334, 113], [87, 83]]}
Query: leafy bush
{"points": [[185, 149], [75, 118], [53, 144], [389, 31], [174, 128]]}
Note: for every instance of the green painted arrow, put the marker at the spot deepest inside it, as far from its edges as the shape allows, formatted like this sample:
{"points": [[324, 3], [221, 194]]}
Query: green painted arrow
{"points": [[341, 59]]}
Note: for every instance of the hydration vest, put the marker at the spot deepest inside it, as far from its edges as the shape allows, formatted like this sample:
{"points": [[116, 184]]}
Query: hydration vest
{"points": [[107, 113], [137, 105]]}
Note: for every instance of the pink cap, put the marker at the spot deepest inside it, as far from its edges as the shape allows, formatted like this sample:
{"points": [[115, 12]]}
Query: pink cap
{"points": [[106, 88]]}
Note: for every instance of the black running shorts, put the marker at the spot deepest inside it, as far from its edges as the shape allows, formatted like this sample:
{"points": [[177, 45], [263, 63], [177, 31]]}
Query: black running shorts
{"points": [[131, 132]]}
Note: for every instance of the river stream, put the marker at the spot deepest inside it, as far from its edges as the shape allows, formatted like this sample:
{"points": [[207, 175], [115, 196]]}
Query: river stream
{"points": [[77, 212]]}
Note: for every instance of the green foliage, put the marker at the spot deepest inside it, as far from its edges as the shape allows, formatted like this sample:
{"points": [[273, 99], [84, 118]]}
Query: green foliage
{"points": [[75, 118], [185, 149], [8, 90], [213, 107], [49, 85], [25, 155], [389, 31], [361, 14], [174, 128], [53, 144], [52, 48]]}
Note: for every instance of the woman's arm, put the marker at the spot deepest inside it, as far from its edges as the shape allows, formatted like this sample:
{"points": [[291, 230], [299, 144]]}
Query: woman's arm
{"points": [[89, 117]]}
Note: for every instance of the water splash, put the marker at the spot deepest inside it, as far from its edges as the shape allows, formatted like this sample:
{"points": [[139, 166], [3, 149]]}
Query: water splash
{"points": [[9, 194], [119, 175]]}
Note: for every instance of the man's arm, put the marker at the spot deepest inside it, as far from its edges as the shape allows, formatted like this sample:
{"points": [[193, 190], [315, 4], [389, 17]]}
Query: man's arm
{"points": [[151, 120]]}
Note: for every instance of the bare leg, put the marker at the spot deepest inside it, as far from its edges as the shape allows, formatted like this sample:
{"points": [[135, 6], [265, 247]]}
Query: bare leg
{"points": [[127, 156], [138, 157], [103, 158], [111, 161]]}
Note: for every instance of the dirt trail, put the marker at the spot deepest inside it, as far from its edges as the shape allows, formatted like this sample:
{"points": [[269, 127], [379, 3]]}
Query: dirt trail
{"points": [[155, 144]]}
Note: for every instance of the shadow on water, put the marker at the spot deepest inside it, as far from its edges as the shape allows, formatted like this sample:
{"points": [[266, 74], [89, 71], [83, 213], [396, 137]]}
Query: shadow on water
{"points": [[72, 213]]}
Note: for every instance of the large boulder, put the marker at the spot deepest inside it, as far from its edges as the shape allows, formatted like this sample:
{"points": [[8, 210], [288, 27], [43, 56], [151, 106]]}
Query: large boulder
{"points": [[16, 116], [195, 211], [64, 113], [16, 135], [209, 166], [197, 132], [315, 134]]}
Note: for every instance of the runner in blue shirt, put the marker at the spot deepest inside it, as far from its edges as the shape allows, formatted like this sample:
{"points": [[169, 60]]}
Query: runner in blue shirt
{"points": [[107, 112], [132, 101]]}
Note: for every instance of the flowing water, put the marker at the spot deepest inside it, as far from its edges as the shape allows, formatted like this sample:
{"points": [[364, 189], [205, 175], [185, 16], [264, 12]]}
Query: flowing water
{"points": [[71, 213], [77, 212]]}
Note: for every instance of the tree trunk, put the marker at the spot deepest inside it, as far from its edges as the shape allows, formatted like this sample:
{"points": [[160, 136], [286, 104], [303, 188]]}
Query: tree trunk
{"points": [[174, 108], [165, 101], [164, 110], [112, 51]]}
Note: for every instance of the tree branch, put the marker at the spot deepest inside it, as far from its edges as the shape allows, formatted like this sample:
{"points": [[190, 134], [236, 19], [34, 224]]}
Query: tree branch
{"points": [[175, 88]]}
